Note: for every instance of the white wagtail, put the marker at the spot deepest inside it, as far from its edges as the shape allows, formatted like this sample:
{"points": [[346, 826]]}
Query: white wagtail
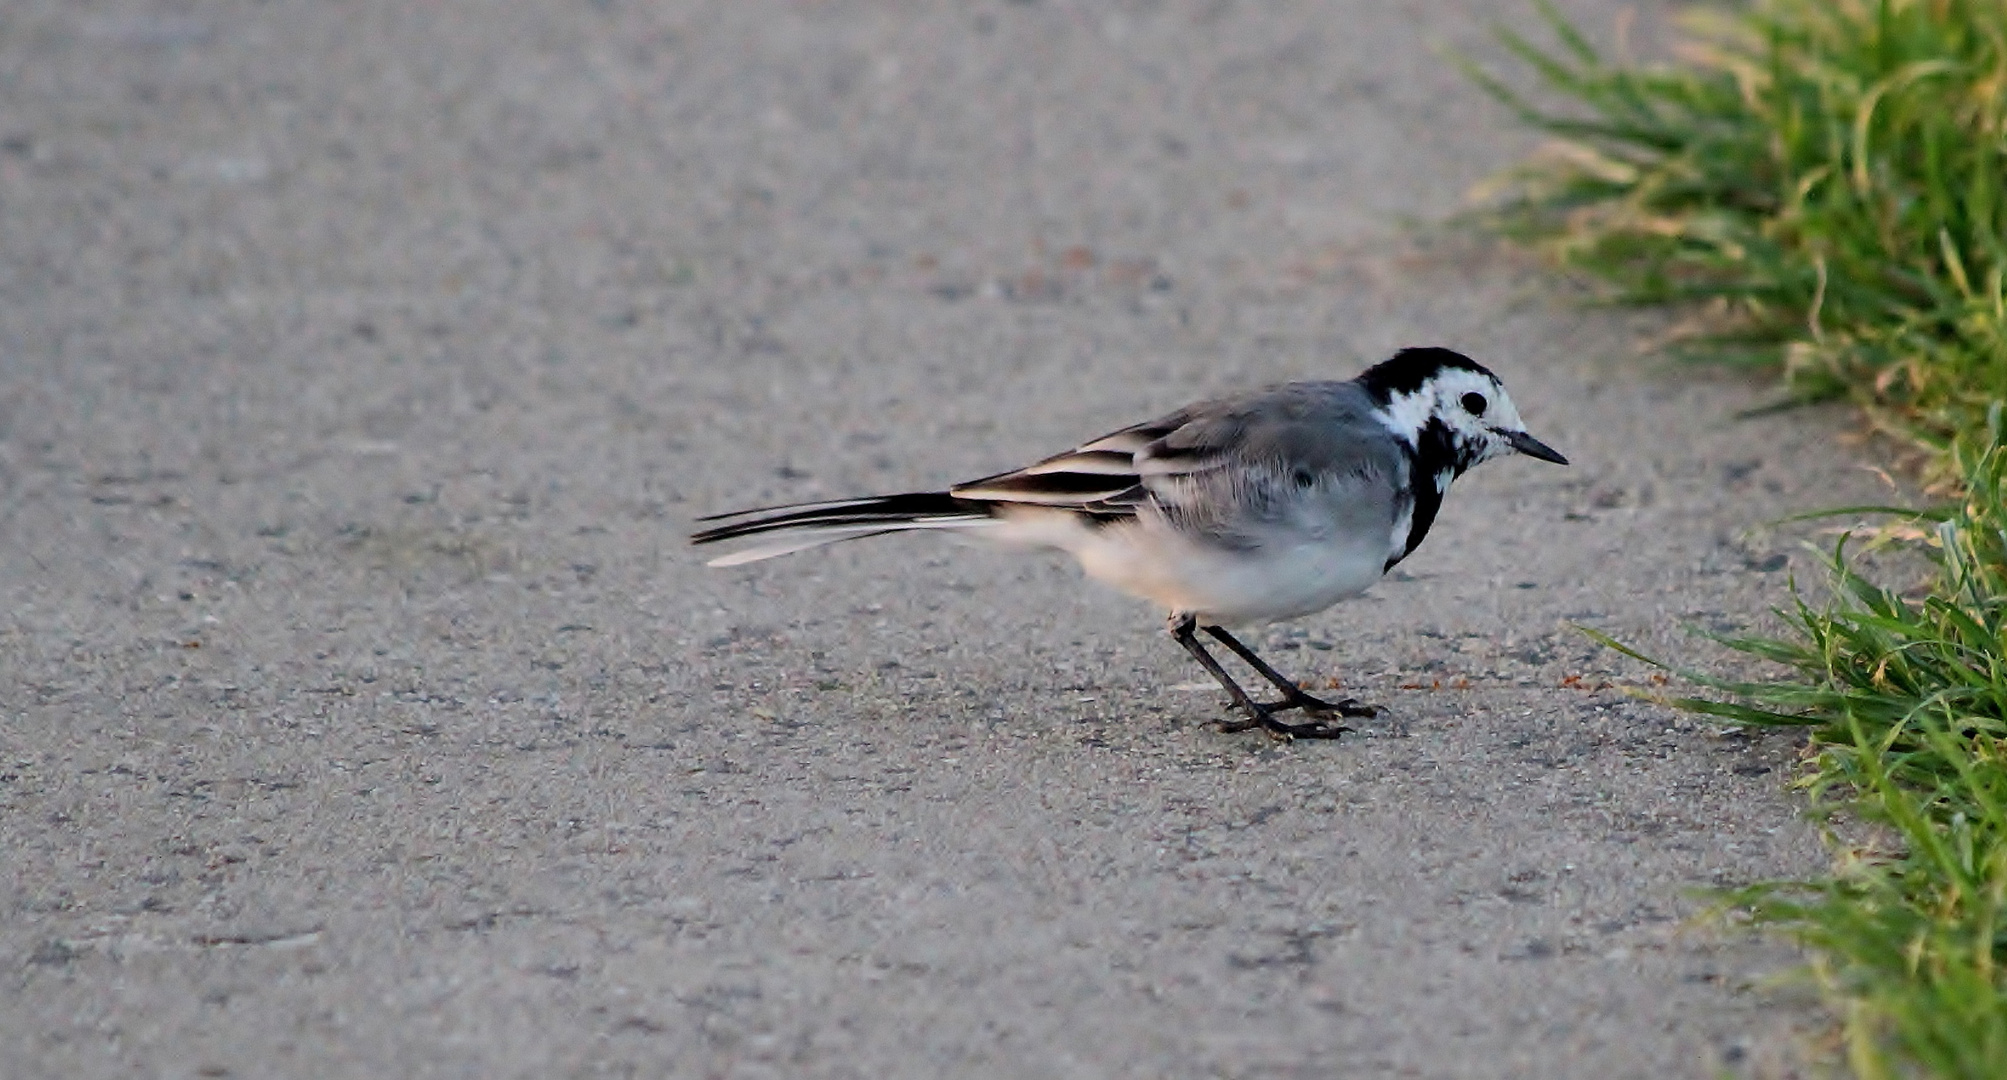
{"points": [[1247, 509]]}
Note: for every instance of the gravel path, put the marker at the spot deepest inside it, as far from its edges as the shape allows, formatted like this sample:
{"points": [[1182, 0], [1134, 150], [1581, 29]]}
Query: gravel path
{"points": [[362, 712]]}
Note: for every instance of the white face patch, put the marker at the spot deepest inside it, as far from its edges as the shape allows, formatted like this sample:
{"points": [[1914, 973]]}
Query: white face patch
{"points": [[1442, 398]]}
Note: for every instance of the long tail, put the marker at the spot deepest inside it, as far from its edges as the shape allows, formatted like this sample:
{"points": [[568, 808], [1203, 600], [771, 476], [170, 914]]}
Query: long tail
{"points": [[808, 525]]}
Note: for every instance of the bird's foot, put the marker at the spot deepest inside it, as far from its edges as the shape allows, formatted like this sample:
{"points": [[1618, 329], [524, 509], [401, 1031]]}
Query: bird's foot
{"points": [[1262, 715], [1316, 705]]}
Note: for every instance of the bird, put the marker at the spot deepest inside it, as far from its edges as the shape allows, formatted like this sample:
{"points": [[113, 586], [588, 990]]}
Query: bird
{"points": [[1241, 510]]}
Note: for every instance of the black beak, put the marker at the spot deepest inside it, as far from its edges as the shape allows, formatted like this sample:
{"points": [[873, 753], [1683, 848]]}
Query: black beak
{"points": [[1532, 447]]}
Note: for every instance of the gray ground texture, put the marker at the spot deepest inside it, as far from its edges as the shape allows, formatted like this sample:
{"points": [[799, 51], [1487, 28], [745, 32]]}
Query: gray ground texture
{"points": [[364, 712]]}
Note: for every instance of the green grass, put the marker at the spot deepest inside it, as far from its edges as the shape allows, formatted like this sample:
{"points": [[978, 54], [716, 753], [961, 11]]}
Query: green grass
{"points": [[1825, 183], [1826, 179], [1906, 702]]}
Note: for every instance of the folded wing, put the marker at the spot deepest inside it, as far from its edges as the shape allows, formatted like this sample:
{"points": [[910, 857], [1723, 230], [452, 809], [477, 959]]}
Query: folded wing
{"points": [[1213, 466]]}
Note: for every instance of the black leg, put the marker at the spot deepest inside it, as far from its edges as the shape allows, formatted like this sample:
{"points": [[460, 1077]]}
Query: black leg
{"points": [[1293, 696], [1259, 714], [1181, 632]]}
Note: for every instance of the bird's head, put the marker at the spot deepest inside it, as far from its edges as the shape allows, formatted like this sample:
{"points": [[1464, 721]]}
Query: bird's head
{"points": [[1451, 410]]}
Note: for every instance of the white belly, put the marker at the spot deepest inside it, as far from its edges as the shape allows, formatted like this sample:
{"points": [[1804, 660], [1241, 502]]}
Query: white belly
{"points": [[1278, 581]]}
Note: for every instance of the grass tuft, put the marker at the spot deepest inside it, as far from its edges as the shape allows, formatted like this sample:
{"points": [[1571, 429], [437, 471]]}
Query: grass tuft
{"points": [[1906, 703], [1827, 179]]}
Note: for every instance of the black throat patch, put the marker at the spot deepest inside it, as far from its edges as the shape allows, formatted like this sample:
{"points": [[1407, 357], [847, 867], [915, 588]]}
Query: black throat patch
{"points": [[1436, 453]]}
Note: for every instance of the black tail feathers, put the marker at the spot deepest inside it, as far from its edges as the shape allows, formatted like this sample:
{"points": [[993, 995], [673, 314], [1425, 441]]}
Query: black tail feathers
{"points": [[889, 511]]}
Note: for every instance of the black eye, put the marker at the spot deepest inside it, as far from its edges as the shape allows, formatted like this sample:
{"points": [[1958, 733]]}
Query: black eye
{"points": [[1474, 404]]}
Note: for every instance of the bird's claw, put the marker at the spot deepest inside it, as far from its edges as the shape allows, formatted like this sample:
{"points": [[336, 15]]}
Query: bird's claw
{"points": [[1282, 732], [1315, 705], [1263, 717]]}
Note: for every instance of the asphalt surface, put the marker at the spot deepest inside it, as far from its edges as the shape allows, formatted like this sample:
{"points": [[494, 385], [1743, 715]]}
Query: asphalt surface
{"points": [[363, 365]]}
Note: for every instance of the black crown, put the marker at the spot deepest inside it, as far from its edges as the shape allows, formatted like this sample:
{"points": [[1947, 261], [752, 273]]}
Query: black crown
{"points": [[1410, 368]]}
